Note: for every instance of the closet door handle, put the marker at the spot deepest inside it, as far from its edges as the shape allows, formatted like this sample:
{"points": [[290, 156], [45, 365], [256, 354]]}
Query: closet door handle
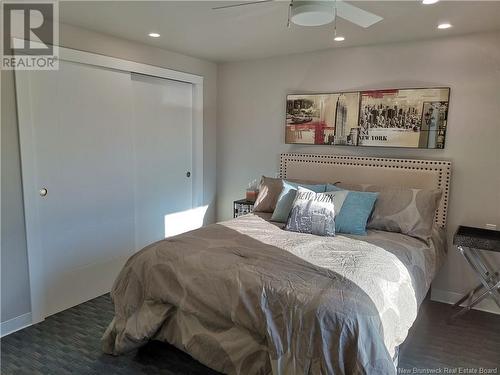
{"points": [[188, 174], [43, 192]]}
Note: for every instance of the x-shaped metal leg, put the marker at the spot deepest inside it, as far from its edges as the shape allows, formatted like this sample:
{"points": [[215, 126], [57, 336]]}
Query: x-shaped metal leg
{"points": [[490, 280]]}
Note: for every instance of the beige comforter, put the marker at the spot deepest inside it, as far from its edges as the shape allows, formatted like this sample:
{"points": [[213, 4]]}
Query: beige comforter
{"points": [[246, 297]]}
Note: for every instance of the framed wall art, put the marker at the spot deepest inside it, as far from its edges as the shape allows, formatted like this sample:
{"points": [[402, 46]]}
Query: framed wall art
{"points": [[414, 118]]}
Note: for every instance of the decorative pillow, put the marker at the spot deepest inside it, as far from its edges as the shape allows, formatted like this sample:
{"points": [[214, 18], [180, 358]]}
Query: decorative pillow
{"points": [[409, 211], [334, 187], [287, 196], [353, 214], [269, 190], [404, 210], [312, 213]]}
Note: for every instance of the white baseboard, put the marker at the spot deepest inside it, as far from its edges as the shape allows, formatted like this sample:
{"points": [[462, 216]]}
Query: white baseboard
{"points": [[446, 296], [15, 324]]}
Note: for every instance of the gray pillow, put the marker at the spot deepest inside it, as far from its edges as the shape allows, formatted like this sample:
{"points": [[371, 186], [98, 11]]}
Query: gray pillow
{"points": [[269, 191], [312, 213], [404, 210]]}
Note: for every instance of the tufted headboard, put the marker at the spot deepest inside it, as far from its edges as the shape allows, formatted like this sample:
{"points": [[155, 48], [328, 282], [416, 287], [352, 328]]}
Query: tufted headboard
{"points": [[412, 173]]}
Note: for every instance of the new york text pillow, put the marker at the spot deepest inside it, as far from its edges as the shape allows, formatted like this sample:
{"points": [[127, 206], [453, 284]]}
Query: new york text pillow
{"points": [[313, 213]]}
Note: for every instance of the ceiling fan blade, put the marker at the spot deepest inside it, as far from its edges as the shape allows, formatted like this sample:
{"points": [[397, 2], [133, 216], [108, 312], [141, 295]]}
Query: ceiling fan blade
{"points": [[242, 4], [356, 15]]}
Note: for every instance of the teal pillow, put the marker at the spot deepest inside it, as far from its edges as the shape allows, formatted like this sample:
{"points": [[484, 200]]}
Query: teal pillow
{"points": [[330, 187], [287, 196], [355, 211]]}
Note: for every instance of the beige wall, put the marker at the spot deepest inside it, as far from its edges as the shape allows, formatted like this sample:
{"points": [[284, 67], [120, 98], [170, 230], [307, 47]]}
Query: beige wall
{"points": [[15, 298], [251, 108]]}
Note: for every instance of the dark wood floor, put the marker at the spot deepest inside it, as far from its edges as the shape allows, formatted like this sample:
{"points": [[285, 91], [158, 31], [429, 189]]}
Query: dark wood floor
{"points": [[68, 343], [471, 341]]}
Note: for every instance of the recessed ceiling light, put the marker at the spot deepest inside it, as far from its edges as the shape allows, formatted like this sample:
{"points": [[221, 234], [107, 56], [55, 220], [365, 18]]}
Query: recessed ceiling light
{"points": [[429, 2], [339, 38], [443, 26], [154, 35]]}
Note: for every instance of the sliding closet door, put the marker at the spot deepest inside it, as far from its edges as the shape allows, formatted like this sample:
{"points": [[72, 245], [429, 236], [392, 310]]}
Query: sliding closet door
{"points": [[107, 163], [83, 189], [163, 147]]}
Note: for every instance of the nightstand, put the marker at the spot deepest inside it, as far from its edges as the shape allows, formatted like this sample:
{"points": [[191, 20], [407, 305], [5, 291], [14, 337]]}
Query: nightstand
{"points": [[470, 242], [242, 207]]}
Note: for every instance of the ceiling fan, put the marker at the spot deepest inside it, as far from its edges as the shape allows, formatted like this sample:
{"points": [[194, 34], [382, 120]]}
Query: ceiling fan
{"points": [[319, 12]]}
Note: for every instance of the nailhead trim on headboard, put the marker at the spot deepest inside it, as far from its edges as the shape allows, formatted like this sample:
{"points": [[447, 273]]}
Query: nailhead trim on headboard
{"points": [[442, 167]]}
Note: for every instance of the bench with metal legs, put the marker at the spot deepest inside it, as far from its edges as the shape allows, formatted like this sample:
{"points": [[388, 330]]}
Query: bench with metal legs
{"points": [[470, 242]]}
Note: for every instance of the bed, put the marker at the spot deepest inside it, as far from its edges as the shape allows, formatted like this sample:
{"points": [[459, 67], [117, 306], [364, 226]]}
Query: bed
{"points": [[246, 297]]}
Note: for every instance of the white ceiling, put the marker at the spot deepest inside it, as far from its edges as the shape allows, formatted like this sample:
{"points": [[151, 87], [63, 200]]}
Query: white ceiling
{"points": [[257, 31]]}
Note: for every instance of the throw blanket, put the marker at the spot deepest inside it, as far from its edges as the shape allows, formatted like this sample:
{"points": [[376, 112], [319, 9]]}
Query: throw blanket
{"points": [[246, 297]]}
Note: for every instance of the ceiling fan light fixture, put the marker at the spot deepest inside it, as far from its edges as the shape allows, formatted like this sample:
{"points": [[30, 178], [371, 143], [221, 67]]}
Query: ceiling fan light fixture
{"points": [[309, 13], [429, 2], [339, 38]]}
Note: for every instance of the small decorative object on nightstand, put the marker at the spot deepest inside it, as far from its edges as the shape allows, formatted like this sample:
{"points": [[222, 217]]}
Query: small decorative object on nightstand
{"points": [[470, 241], [242, 207], [252, 191]]}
